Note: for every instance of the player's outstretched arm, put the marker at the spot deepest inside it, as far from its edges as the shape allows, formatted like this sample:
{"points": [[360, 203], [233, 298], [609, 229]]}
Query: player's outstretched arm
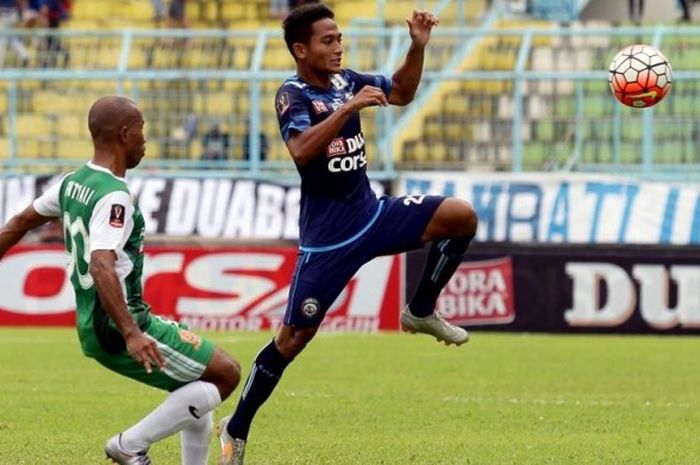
{"points": [[140, 347], [405, 80], [305, 146], [18, 226]]}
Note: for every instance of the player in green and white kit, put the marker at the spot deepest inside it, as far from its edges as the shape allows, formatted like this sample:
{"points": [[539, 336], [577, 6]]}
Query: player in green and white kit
{"points": [[104, 233]]}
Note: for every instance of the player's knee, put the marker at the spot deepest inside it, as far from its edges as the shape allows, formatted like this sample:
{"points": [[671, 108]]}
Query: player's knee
{"points": [[471, 220], [464, 219], [293, 345]]}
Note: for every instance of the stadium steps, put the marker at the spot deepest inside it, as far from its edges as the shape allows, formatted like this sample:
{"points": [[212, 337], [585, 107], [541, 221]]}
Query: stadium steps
{"points": [[464, 116]]}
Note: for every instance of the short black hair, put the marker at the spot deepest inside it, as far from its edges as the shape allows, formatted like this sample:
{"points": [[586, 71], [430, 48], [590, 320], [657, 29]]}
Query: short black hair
{"points": [[298, 24]]}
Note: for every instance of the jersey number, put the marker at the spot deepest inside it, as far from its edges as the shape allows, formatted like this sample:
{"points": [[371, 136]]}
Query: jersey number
{"points": [[78, 234], [413, 200]]}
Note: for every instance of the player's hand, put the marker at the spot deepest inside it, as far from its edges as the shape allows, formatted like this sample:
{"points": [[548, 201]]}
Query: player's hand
{"points": [[420, 24], [368, 96], [145, 351]]}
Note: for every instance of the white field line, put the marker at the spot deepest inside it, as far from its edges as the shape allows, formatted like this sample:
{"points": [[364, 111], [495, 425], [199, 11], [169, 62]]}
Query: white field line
{"points": [[519, 401], [564, 402]]}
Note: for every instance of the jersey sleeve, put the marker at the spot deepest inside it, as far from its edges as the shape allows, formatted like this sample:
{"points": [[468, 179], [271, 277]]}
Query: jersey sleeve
{"points": [[292, 111], [111, 222], [375, 80], [47, 204]]}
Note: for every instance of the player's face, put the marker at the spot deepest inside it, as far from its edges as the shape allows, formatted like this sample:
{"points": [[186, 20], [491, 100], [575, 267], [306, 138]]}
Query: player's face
{"points": [[325, 48], [136, 143]]}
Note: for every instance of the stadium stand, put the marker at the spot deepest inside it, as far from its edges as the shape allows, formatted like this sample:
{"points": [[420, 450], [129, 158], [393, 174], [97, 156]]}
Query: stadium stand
{"points": [[476, 91], [179, 111]]}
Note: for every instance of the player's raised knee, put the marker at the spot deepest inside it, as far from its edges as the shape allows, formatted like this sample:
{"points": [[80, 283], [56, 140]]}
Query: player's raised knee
{"points": [[471, 220], [463, 219]]}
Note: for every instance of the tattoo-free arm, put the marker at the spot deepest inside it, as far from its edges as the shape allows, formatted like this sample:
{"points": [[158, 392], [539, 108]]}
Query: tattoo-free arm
{"points": [[140, 347], [18, 226]]}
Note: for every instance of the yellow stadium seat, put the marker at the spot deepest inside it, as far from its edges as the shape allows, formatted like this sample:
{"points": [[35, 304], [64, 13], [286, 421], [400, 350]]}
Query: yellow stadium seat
{"points": [[79, 149], [32, 125], [195, 150], [72, 126], [220, 104], [277, 58], [152, 149], [137, 58], [4, 147], [421, 151], [437, 152], [27, 148], [276, 150], [234, 10], [138, 11]]}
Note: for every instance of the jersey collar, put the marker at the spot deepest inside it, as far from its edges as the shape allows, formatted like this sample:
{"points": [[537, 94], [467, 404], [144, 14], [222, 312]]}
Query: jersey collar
{"points": [[95, 167]]}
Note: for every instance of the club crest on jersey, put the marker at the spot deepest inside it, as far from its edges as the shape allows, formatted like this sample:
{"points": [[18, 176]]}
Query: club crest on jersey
{"points": [[310, 307], [319, 106], [282, 103], [336, 147], [116, 216], [190, 338]]}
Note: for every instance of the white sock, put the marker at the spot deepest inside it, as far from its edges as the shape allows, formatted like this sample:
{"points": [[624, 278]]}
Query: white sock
{"points": [[176, 413], [194, 440]]}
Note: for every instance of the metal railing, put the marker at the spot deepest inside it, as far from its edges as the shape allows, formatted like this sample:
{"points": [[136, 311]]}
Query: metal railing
{"points": [[493, 98]]}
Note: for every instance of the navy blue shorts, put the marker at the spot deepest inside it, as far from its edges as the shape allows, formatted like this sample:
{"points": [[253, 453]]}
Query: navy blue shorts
{"points": [[321, 273]]}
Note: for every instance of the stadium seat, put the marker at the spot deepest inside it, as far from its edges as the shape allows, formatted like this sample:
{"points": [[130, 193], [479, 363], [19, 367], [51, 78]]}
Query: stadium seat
{"points": [[33, 125], [4, 147], [79, 149]]}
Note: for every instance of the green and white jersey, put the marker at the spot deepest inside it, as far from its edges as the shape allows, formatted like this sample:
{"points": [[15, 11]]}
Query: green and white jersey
{"points": [[98, 213]]}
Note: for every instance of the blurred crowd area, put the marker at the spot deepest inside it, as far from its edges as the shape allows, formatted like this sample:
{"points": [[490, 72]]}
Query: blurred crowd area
{"points": [[140, 13]]}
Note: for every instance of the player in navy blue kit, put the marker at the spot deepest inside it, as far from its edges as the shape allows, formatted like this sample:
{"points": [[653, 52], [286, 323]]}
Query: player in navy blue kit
{"points": [[342, 223]]}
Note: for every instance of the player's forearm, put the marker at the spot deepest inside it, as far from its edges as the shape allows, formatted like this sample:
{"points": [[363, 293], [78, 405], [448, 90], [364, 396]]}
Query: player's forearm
{"points": [[112, 297], [17, 228], [9, 237], [314, 141], [406, 79]]}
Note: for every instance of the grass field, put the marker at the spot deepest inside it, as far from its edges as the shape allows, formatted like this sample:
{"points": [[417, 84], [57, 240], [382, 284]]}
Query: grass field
{"points": [[386, 399]]}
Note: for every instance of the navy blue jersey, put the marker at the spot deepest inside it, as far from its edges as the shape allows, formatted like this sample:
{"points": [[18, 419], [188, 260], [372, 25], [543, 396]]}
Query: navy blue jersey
{"points": [[336, 199]]}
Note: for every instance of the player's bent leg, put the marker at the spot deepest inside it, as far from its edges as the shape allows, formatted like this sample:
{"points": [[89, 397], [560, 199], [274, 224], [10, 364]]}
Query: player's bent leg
{"points": [[454, 218], [291, 340], [223, 372], [451, 229], [187, 357], [267, 370], [116, 453]]}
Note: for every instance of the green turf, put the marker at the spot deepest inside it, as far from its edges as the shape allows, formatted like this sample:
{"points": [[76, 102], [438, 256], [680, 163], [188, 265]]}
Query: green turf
{"points": [[387, 399]]}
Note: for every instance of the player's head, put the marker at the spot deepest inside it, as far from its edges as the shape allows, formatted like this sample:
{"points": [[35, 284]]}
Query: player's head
{"points": [[117, 123], [313, 37]]}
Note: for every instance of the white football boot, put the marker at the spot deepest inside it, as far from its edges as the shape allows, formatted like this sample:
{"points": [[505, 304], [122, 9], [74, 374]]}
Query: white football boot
{"points": [[434, 325], [118, 455], [232, 449]]}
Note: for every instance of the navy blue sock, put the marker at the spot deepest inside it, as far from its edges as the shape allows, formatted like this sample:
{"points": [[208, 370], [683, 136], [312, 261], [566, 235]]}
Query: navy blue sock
{"points": [[266, 372], [443, 259]]}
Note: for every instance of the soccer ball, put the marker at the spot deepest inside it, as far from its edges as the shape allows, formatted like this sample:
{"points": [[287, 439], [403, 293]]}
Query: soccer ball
{"points": [[640, 76]]}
